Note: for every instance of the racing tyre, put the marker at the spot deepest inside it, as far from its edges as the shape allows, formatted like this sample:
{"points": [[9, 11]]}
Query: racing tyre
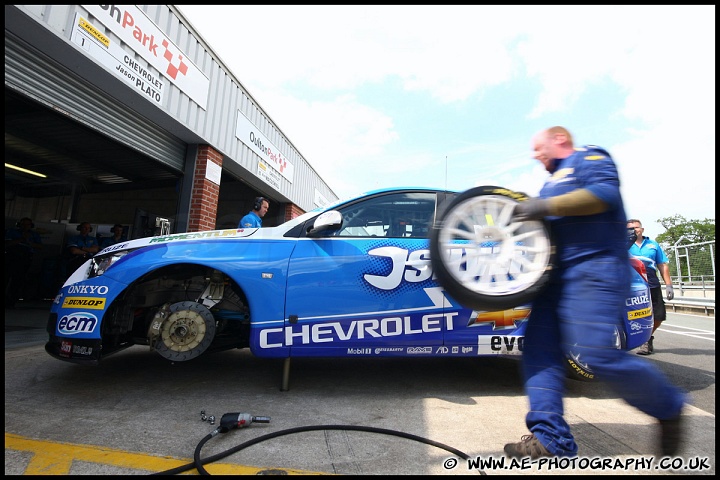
{"points": [[483, 258]]}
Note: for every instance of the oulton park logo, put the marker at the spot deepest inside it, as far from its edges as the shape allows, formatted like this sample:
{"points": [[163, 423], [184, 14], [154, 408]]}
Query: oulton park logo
{"points": [[125, 19]]}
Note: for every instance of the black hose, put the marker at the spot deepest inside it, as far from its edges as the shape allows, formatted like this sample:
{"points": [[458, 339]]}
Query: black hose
{"points": [[198, 462]]}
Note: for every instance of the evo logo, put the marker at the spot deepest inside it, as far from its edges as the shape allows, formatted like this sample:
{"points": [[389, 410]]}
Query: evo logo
{"points": [[78, 322], [500, 344]]}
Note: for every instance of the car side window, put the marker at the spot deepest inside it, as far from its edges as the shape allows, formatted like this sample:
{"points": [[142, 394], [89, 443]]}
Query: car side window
{"points": [[399, 215]]}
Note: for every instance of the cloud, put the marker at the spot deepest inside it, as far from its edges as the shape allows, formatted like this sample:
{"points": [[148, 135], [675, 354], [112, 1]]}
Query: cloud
{"points": [[449, 95]]}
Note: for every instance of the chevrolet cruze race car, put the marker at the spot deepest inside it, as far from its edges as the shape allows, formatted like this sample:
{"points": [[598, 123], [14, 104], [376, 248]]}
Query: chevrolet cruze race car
{"points": [[351, 279]]}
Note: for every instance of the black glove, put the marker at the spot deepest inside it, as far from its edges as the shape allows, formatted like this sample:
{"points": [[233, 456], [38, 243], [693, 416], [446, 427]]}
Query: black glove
{"points": [[533, 208], [669, 292]]}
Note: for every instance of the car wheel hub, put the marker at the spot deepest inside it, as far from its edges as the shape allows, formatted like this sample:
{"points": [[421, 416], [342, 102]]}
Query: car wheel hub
{"points": [[187, 332]]}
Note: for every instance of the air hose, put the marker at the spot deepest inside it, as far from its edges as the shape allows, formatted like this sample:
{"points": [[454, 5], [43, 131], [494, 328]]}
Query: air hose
{"points": [[199, 462]]}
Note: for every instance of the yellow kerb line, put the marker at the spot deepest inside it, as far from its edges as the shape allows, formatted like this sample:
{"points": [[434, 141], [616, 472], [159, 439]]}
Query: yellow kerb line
{"points": [[56, 458]]}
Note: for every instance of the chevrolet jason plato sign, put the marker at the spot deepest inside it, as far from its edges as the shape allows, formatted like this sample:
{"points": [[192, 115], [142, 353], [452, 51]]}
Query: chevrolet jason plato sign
{"points": [[142, 36]]}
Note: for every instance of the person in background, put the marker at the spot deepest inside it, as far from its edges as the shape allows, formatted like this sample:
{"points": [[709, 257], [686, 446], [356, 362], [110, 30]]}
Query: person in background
{"points": [[21, 244], [80, 247], [582, 305], [116, 237], [656, 262], [254, 217]]}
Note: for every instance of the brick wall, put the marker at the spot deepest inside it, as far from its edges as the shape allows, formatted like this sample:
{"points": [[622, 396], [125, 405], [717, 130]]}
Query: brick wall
{"points": [[204, 197], [292, 211]]}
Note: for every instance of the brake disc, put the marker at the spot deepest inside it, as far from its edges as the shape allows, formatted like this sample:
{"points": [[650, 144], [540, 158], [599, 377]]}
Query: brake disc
{"points": [[187, 331]]}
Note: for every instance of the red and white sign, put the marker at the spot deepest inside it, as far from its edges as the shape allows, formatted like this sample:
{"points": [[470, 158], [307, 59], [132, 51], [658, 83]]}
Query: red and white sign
{"points": [[141, 35]]}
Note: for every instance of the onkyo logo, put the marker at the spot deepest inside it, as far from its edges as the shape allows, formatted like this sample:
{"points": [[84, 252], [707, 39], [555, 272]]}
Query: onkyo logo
{"points": [[79, 322], [84, 289]]}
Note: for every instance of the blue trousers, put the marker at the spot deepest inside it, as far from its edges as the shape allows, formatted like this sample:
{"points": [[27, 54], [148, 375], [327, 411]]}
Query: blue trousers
{"points": [[582, 308]]}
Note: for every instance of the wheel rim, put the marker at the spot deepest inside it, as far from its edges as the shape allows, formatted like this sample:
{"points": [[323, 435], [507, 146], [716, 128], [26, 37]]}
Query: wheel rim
{"points": [[488, 253]]}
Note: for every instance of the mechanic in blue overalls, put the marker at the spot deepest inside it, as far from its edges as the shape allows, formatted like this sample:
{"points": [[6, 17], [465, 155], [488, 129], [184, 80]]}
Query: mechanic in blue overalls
{"points": [[80, 247], [253, 219], [582, 306]]}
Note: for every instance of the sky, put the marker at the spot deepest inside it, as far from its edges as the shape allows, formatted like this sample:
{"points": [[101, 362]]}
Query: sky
{"points": [[449, 96]]}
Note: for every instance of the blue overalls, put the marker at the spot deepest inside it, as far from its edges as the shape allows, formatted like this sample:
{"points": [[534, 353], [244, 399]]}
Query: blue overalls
{"points": [[582, 307]]}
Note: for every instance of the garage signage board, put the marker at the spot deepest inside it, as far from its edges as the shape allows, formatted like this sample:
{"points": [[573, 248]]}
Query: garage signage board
{"points": [[111, 55], [146, 39]]}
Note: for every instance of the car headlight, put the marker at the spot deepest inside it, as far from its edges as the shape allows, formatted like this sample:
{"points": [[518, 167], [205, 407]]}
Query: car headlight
{"points": [[100, 263]]}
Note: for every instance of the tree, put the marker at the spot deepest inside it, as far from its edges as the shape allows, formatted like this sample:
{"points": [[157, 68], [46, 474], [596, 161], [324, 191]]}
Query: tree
{"points": [[693, 257], [694, 231]]}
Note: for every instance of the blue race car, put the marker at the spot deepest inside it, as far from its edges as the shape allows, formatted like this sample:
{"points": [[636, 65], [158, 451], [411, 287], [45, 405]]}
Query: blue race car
{"points": [[351, 279]]}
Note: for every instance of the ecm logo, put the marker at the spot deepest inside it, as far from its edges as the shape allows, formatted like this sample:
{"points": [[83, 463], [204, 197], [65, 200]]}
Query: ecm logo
{"points": [[79, 322]]}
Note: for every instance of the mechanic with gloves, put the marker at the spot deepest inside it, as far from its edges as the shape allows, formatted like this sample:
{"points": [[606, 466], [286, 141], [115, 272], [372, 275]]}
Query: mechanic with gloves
{"points": [[655, 260], [583, 303]]}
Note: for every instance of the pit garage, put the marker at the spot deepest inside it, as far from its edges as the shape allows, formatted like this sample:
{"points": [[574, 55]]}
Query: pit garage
{"points": [[84, 145]]}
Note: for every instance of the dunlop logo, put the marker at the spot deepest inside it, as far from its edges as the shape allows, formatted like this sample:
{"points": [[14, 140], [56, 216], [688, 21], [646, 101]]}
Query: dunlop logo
{"points": [[84, 302]]}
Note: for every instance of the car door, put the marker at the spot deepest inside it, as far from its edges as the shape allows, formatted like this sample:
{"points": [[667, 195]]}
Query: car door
{"points": [[367, 287]]}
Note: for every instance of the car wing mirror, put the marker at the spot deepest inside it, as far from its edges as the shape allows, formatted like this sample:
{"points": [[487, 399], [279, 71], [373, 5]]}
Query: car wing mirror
{"points": [[330, 220]]}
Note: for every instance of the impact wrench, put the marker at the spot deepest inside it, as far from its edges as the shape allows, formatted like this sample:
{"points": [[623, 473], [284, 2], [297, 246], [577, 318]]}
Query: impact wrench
{"points": [[230, 421]]}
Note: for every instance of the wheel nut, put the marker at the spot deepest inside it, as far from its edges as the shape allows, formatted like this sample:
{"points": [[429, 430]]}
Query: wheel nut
{"points": [[211, 419]]}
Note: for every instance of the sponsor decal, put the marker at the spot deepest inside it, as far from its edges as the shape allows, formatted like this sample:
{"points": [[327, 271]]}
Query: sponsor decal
{"points": [[359, 351], [91, 289], [355, 330], [580, 369], [82, 350], [77, 322], [500, 344], [442, 350], [65, 348], [86, 302], [500, 320], [638, 300], [193, 235], [419, 350], [510, 193], [633, 314], [112, 248], [388, 349], [412, 267]]}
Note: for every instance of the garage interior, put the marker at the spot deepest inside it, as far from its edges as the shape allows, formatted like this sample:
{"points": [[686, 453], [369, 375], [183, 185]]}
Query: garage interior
{"points": [[87, 176]]}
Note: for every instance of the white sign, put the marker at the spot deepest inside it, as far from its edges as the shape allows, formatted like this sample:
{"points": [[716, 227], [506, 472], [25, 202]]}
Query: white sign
{"points": [[320, 200], [250, 135], [113, 57], [143, 37], [213, 172]]}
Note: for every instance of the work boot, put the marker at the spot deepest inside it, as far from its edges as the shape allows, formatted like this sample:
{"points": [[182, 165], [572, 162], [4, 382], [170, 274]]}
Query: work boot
{"points": [[671, 432], [646, 348], [529, 446]]}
